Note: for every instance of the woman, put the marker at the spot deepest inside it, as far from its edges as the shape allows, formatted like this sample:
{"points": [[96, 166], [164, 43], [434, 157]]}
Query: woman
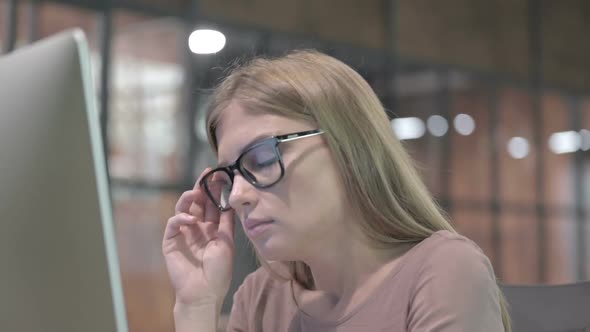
{"points": [[348, 236]]}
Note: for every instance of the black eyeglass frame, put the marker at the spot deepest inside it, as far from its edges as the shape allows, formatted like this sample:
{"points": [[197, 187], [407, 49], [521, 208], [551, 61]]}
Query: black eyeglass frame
{"points": [[237, 165]]}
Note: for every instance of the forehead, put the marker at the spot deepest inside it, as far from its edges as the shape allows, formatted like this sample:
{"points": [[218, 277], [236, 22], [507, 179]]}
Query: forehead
{"points": [[239, 127]]}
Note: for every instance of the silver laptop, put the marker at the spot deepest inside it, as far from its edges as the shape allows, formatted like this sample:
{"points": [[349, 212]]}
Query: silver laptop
{"points": [[58, 260]]}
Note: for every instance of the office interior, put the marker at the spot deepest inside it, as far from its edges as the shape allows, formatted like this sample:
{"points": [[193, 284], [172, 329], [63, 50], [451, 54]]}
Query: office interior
{"points": [[491, 98]]}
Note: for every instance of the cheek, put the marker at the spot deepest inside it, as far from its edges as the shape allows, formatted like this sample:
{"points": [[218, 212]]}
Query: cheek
{"points": [[315, 188]]}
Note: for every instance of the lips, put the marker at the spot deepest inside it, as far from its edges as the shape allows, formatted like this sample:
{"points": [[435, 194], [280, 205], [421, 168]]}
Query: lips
{"points": [[255, 228], [251, 223]]}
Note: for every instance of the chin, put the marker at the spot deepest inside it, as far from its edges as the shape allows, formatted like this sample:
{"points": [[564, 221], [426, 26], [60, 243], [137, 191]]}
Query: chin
{"points": [[274, 249]]}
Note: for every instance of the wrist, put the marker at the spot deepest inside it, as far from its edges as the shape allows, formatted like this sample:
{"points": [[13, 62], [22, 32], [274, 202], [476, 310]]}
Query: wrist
{"points": [[196, 317], [180, 307]]}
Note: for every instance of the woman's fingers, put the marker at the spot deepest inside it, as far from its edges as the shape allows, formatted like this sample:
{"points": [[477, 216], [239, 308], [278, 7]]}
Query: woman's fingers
{"points": [[184, 202], [191, 232], [173, 227], [196, 206], [216, 188], [188, 197], [201, 216], [225, 232], [211, 212]]}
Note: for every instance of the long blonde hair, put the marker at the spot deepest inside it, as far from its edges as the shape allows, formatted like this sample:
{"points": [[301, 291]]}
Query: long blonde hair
{"points": [[377, 172]]}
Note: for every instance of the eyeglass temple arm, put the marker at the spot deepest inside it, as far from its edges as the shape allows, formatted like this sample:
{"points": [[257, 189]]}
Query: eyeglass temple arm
{"points": [[294, 137]]}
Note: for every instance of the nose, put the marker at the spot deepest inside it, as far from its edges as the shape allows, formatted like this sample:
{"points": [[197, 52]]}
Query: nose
{"points": [[243, 194]]}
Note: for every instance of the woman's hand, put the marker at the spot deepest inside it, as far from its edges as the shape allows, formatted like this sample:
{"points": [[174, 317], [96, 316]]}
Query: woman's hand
{"points": [[198, 247]]}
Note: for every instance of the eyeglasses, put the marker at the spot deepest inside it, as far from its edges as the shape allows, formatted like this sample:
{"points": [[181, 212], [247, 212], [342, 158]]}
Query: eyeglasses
{"points": [[261, 164]]}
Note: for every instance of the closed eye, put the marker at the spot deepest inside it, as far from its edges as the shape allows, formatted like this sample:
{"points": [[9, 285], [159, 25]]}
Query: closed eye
{"points": [[266, 163]]}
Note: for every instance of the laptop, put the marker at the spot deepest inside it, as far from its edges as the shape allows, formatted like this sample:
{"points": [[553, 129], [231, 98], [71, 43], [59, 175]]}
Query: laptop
{"points": [[59, 268]]}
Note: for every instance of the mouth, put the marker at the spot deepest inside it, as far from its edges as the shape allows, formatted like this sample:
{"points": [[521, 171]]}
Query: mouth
{"points": [[255, 227]]}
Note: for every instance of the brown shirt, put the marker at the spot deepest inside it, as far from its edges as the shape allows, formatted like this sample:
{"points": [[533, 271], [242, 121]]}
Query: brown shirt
{"points": [[444, 283]]}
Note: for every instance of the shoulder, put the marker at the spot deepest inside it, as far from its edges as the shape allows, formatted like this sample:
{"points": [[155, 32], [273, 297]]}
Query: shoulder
{"points": [[451, 262], [454, 283], [445, 252]]}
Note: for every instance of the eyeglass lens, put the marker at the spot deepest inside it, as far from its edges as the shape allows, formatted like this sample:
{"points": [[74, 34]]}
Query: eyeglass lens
{"points": [[259, 165]]}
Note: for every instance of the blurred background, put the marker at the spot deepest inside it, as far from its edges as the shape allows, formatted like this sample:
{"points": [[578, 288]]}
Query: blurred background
{"points": [[492, 98]]}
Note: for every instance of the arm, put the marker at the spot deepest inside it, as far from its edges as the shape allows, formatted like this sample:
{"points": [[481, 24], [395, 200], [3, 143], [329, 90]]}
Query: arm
{"points": [[455, 291]]}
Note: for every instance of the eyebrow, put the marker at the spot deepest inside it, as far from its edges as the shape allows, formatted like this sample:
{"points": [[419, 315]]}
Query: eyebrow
{"points": [[253, 141]]}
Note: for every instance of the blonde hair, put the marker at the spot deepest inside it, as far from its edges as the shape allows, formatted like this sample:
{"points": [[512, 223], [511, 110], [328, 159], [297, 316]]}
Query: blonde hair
{"points": [[377, 172]]}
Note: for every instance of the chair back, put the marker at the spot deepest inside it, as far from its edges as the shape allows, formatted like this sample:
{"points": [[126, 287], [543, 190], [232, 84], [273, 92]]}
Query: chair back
{"points": [[549, 308]]}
